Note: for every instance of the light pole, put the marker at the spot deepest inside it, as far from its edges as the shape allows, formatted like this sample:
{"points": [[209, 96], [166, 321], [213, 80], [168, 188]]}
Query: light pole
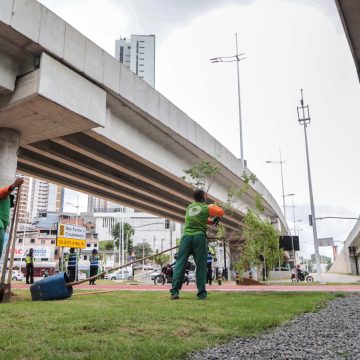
{"points": [[304, 119], [280, 162], [237, 57], [292, 239], [293, 209]]}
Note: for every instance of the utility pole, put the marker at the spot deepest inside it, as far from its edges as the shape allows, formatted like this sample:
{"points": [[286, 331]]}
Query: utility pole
{"points": [[304, 120], [280, 162], [237, 57]]}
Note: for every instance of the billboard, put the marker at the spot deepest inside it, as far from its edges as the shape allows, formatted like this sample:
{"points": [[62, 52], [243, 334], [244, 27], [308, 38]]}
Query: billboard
{"points": [[38, 252], [72, 236], [287, 242]]}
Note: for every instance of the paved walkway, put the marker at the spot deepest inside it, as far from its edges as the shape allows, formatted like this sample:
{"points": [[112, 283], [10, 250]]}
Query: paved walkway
{"points": [[222, 288]]}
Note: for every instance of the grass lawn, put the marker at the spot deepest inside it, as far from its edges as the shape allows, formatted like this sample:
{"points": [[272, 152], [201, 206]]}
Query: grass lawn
{"points": [[140, 325]]}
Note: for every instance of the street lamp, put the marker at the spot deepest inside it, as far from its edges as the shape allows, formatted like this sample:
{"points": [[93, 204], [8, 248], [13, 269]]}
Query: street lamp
{"points": [[237, 57], [293, 209], [280, 162], [304, 119]]}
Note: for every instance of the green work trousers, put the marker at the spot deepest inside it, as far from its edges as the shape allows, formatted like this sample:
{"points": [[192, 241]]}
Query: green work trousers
{"points": [[2, 239], [195, 245]]}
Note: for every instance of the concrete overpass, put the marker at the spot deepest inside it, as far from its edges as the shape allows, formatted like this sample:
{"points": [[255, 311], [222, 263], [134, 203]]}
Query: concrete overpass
{"points": [[75, 116], [348, 260], [349, 11]]}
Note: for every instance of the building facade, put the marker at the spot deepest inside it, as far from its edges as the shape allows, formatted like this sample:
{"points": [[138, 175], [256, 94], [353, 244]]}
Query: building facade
{"points": [[138, 54]]}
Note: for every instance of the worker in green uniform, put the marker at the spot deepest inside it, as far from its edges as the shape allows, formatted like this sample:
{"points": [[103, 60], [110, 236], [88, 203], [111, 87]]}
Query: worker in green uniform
{"points": [[5, 205], [194, 242]]}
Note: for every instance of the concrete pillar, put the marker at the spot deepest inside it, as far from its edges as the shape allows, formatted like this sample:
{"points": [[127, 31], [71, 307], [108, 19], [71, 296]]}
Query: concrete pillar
{"points": [[9, 145]]}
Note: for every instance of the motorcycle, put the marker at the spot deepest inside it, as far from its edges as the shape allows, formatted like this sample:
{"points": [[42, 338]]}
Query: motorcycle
{"points": [[167, 274], [303, 275]]}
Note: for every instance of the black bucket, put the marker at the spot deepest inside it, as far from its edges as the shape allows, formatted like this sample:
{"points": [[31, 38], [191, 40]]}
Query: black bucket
{"points": [[51, 288]]}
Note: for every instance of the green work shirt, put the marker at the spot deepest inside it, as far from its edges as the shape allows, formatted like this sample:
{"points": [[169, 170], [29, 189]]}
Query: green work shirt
{"points": [[196, 219], [4, 212]]}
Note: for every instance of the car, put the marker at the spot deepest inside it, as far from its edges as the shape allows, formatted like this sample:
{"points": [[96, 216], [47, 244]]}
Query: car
{"points": [[281, 269], [191, 276], [148, 267], [154, 274], [119, 275], [81, 276], [15, 276]]}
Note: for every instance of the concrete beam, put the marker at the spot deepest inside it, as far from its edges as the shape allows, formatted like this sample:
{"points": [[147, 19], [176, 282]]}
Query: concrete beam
{"points": [[8, 73], [52, 101], [349, 11]]}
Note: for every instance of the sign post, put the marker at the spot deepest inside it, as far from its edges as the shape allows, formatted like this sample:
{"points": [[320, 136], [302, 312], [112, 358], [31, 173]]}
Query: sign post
{"points": [[71, 236]]}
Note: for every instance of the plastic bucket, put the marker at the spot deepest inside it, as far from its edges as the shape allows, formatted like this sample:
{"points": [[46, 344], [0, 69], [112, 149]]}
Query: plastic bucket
{"points": [[51, 288]]}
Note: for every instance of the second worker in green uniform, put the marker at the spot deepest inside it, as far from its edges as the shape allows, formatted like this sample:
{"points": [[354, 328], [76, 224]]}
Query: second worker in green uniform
{"points": [[194, 242]]}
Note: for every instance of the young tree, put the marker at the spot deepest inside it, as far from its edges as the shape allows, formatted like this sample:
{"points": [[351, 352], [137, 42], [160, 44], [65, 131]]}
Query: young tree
{"points": [[107, 245], [129, 232], [261, 244], [202, 175], [142, 249], [162, 259], [256, 240]]}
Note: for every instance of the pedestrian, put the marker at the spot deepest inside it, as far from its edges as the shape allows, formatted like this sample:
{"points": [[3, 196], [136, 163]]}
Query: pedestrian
{"points": [[94, 265], [71, 259], [30, 266], [209, 274], [293, 274], [297, 272], [194, 242], [5, 205]]}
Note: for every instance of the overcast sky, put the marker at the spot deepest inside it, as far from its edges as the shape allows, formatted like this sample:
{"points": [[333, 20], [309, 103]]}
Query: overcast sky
{"points": [[289, 45]]}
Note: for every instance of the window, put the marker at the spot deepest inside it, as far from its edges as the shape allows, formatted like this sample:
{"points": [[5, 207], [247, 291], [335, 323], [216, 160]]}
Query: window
{"points": [[56, 252], [32, 241], [42, 242], [95, 245], [88, 245], [20, 240], [52, 241], [85, 257]]}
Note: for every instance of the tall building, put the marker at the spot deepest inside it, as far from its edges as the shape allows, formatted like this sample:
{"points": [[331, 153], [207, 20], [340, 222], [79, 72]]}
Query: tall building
{"points": [[96, 204], [45, 197], [24, 201], [138, 54]]}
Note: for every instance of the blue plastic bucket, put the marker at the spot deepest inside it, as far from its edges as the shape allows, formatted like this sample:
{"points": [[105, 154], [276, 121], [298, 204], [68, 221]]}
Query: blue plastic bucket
{"points": [[51, 288]]}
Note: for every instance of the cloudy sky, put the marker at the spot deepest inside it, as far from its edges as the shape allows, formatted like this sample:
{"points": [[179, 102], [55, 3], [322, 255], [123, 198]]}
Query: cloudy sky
{"points": [[289, 45]]}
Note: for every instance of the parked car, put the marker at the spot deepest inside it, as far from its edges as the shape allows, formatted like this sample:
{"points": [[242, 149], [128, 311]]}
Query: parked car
{"points": [[15, 276], [81, 276], [154, 274], [281, 269], [191, 276], [119, 275]]}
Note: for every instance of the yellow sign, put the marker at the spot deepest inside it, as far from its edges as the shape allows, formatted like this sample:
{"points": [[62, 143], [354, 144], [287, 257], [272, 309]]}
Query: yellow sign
{"points": [[71, 243], [72, 236]]}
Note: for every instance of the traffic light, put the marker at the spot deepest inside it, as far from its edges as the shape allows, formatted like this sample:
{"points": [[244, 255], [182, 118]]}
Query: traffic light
{"points": [[310, 220], [167, 224]]}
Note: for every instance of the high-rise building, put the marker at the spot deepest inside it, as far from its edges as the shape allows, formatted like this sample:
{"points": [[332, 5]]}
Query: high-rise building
{"points": [[138, 54], [45, 197], [24, 201]]}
